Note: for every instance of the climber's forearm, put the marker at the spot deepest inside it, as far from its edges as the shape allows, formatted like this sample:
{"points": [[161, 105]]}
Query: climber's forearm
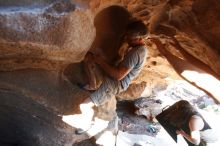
{"points": [[116, 72]]}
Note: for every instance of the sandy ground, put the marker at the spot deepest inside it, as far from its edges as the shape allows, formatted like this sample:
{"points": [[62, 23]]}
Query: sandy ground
{"points": [[135, 129]]}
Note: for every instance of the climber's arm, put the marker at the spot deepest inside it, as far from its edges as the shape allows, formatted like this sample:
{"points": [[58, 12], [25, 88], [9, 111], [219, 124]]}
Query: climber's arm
{"points": [[116, 72]]}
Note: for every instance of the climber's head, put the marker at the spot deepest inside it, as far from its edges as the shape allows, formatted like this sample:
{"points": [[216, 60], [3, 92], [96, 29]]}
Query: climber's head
{"points": [[135, 32]]}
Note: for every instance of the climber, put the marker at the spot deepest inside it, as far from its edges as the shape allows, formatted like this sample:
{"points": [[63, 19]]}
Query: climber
{"points": [[119, 77], [93, 73]]}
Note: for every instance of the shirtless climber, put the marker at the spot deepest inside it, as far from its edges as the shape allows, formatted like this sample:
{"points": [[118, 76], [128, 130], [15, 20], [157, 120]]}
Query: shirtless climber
{"points": [[119, 77]]}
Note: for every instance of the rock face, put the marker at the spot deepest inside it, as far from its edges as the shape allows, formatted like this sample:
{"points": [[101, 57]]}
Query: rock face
{"points": [[32, 123], [42, 43], [53, 31], [32, 104]]}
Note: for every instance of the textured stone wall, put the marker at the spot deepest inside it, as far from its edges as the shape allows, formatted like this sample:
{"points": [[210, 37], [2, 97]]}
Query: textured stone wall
{"points": [[54, 30], [58, 32]]}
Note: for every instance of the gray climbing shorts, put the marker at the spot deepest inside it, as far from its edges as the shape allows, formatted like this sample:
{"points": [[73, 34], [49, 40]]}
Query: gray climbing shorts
{"points": [[108, 88]]}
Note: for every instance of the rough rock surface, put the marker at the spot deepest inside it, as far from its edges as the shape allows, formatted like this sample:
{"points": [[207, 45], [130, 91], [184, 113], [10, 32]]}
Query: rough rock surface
{"points": [[32, 104], [41, 43], [51, 32]]}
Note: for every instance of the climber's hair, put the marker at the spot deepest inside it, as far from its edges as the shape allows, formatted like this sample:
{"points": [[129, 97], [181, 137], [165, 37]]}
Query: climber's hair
{"points": [[137, 28]]}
